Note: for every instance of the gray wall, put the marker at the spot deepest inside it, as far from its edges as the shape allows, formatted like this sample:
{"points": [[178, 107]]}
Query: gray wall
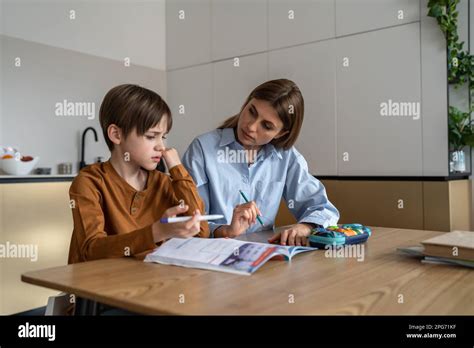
{"points": [[390, 58], [75, 60], [103, 28], [1, 72], [471, 41], [434, 96], [49, 75], [190, 61]]}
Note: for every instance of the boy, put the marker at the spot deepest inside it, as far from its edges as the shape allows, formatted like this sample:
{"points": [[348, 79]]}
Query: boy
{"points": [[116, 205]]}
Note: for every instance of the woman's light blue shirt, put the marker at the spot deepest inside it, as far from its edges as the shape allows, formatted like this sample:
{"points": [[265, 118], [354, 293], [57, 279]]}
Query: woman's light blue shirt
{"points": [[216, 164]]}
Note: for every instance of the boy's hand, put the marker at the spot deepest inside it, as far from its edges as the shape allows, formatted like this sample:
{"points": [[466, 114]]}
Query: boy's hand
{"points": [[184, 229], [295, 235], [177, 209], [171, 157]]}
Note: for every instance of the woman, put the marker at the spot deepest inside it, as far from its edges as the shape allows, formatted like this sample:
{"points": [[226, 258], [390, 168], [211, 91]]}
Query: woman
{"points": [[264, 132]]}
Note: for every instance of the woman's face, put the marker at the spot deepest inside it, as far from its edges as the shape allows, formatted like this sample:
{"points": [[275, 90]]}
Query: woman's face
{"points": [[258, 124]]}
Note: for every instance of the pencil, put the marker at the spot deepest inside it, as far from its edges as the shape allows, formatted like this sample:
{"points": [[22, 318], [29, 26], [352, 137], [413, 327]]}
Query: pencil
{"points": [[187, 218], [246, 201]]}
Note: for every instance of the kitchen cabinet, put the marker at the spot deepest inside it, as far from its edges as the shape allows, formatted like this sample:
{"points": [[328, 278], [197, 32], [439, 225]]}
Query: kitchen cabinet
{"points": [[365, 15], [190, 99], [381, 203], [234, 79], [239, 27], [447, 205], [313, 68], [293, 22], [188, 33], [434, 97], [437, 205], [43, 220], [379, 128]]}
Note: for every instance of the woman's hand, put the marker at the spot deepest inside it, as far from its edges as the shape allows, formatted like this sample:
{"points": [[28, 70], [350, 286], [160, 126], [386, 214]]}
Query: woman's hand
{"points": [[171, 157], [186, 229], [244, 216], [295, 235]]}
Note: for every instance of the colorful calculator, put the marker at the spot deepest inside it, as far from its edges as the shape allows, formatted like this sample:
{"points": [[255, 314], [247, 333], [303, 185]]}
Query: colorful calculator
{"points": [[339, 235]]}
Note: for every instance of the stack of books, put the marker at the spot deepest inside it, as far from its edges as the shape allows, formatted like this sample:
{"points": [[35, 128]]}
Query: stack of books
{"points": [[453, 248]]}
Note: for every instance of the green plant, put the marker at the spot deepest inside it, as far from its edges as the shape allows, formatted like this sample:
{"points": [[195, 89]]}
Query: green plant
{"points": [[460, 61], [461, 128], [460, 70]]}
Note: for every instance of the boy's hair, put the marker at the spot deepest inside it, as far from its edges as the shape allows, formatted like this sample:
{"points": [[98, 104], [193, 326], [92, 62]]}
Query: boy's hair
{"points": [[286, 98], [132, 107]]}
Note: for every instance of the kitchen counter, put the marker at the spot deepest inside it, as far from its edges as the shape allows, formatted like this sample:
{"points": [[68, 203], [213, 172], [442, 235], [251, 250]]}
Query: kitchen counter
{"points": [[6, 179], [12, 179]]}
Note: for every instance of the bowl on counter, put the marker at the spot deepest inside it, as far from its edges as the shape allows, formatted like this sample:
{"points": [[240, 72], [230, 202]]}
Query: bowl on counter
{"points": [[13, 166]]}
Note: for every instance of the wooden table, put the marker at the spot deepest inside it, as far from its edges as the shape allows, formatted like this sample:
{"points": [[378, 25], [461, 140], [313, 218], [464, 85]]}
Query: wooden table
{"points": [[384, 283]]}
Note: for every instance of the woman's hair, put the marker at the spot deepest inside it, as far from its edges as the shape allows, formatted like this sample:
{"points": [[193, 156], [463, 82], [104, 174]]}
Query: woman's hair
{"points": [[286, 98], [132, 107]]}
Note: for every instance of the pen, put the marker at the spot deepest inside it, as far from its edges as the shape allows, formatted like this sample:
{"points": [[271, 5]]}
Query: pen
{"points": [[246, 201], [186, 218]]}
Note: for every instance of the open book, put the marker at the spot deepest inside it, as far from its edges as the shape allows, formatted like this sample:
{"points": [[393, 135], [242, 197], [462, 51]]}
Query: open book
{"points": [[220, 254]]}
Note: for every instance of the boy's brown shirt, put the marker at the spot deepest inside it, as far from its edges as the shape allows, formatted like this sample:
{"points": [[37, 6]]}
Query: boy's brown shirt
{"points": [[112, 219]]}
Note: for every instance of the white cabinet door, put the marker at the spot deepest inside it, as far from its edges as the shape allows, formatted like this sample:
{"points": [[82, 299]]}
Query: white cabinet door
{"points": [[238, 27], [190, 100], [355, 16], [379, 127], [312, 68], [188, 33], [234, 79], [293, 22]]}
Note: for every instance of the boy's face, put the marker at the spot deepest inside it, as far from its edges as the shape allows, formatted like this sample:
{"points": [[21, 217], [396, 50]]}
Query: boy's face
{"points": [[146, 150]]}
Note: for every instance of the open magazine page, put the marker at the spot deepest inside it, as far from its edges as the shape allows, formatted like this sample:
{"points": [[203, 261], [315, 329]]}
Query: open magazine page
{"points": [[287, 252], [225, 254], [212, 251], [228, 255], [293, 250], [250, 256]]}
